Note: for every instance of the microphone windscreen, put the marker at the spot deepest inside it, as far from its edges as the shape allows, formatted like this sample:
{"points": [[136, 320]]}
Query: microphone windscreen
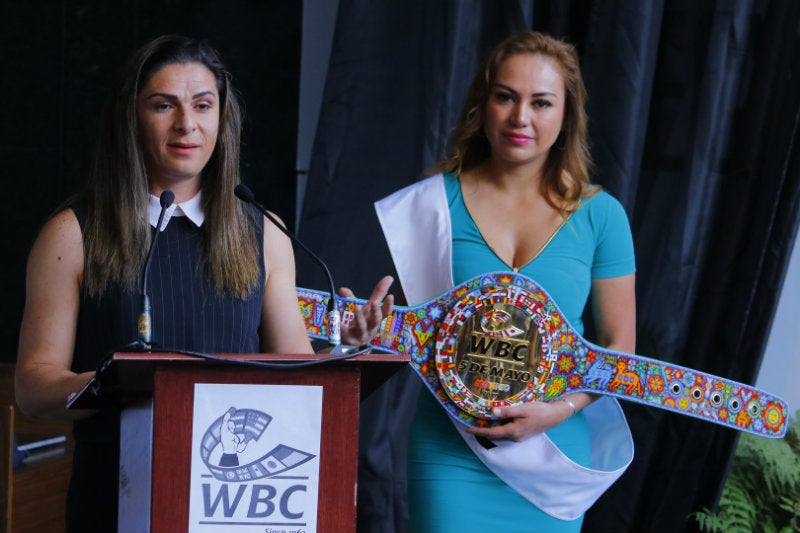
{"points": [[167, 197], [243, 192]]}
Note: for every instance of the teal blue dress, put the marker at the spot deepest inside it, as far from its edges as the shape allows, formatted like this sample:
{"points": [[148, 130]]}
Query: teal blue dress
{"points": [[450, 490]]}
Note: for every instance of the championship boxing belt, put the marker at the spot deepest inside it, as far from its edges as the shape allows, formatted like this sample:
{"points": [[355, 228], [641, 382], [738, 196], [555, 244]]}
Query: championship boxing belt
{"points": [[499, 339]]}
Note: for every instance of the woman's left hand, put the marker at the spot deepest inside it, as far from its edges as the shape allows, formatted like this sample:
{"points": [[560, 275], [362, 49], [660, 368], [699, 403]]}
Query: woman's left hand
{"points": [[523, 421], [369, 316]]}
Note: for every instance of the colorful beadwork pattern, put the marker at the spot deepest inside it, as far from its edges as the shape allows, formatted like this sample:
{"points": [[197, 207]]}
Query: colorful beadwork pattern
{"points": [[568, 362]]}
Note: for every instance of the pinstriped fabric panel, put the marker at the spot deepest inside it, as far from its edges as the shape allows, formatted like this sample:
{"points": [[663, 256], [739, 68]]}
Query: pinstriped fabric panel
{"points": [[186, 314]]}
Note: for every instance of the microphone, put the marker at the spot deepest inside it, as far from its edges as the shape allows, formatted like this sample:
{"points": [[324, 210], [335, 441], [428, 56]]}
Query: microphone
{"points": [[244, 193], [145, 319]]}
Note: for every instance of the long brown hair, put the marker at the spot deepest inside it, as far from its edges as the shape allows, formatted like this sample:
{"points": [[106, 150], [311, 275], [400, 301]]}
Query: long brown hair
{"points": [[117, 232], [565, 177]]}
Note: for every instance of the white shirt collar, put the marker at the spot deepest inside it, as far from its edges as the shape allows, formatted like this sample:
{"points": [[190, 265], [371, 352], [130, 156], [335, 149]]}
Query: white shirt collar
{"points": [[191, 209]]}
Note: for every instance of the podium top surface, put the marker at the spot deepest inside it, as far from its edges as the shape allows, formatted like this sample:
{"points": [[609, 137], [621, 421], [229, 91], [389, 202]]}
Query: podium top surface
{"points": [[131, 373]]}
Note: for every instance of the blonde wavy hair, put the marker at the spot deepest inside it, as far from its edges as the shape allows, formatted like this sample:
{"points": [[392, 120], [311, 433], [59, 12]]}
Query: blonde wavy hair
{"points": [[565, 179]]}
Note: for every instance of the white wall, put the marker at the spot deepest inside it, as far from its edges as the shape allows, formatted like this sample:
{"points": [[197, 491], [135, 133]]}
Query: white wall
{"points": [[780, 369]]}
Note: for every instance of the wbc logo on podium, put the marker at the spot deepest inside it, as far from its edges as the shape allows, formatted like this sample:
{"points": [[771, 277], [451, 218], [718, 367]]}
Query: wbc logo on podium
{"points": [[255, 451]]}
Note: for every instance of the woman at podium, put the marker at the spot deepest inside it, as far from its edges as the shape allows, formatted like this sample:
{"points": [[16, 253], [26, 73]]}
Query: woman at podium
{"points": [[221, 279]]}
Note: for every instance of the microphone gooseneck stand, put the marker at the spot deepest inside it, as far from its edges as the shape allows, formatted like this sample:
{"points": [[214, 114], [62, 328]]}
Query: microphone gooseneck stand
{"points": [[244, 193], [145, 318]]}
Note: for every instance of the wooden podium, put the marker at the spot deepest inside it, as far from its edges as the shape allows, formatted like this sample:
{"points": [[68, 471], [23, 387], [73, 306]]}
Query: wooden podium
{"points": [[156, 391]]}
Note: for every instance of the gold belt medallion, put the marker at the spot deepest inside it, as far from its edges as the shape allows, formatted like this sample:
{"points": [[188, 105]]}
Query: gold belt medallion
{"points": [[489, 351]]}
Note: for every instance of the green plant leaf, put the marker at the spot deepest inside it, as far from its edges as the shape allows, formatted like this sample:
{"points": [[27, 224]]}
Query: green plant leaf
{"points": [[762, 490]]}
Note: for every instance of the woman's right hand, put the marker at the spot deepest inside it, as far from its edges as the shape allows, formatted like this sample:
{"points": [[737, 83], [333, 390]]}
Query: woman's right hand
{"points": [[369, 316], [522, 421]]}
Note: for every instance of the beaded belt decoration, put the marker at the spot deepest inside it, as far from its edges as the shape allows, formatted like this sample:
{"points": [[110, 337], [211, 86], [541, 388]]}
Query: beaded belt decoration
{"points": [[498, 339]]}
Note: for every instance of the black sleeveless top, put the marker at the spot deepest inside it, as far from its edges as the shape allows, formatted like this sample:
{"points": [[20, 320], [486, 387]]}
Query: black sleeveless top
{"points": [[187, 313]]}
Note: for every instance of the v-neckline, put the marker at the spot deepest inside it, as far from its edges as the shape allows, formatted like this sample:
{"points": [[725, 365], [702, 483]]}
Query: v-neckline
{"points": [[494, 252]]}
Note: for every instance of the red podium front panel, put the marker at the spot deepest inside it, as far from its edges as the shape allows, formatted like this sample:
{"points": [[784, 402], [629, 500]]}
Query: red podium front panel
{"points": [[157, 392]]}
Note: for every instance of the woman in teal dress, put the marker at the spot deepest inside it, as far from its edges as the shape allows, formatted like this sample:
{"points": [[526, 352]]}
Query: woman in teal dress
{"points": [[517, 195]]}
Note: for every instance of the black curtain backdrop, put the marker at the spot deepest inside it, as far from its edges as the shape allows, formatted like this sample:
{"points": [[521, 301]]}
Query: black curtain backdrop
{"points": [[694, 110], [58, 60]]}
